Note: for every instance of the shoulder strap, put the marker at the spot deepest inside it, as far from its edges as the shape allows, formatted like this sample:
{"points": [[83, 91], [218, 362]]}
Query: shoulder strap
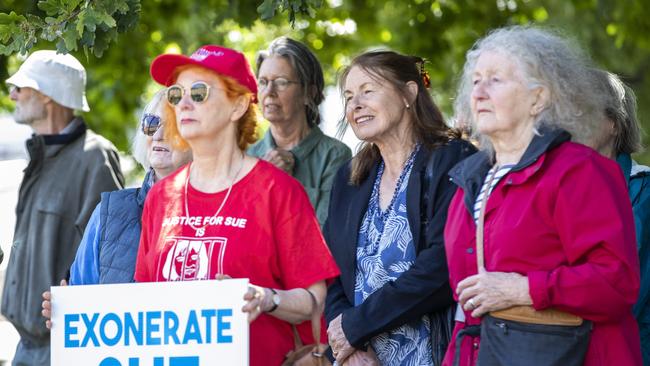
{"points": [[315, 325], [480, 256]]}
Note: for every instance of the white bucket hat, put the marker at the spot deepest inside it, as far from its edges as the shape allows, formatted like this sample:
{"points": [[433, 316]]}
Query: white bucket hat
{"points": [[60, 77]]}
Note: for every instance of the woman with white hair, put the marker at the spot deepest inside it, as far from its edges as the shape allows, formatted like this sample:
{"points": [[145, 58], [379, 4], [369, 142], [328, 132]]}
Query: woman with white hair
{"points": [[108, 249], [540, 234]]}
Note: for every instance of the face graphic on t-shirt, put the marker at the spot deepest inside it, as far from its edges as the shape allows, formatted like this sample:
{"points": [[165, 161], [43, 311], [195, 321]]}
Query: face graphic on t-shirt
{"points": [[187, 263], [189, 259], [186, 260]]}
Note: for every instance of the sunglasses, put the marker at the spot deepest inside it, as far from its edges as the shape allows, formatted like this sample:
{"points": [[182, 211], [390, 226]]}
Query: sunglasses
{"points": [[199, 92], [150, 124]]}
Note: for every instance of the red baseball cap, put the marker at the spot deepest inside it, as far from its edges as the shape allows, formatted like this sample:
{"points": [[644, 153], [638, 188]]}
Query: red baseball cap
{"points": [[222, 60]]}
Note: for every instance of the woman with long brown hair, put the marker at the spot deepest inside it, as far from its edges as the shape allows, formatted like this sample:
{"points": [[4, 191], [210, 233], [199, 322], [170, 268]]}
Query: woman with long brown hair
{"points": [[386, 217]]}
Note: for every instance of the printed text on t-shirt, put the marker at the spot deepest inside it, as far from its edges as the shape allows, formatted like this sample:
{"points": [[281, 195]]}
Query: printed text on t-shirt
{"points": [[205, 220]]}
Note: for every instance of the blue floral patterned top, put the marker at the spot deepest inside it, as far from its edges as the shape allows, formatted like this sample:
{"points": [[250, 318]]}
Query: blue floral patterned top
{"points": [[385, 250]]}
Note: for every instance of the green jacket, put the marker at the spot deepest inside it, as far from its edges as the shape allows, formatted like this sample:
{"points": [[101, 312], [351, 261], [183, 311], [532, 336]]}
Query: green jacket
{"points": [[60, 188], [318, 158]]}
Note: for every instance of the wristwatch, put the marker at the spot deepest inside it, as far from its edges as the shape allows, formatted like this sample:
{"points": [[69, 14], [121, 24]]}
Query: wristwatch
{"points": [[275, 299]]}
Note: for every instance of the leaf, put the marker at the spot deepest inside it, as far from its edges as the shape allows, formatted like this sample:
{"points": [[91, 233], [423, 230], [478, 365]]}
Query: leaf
{"points": [[88, 39], [70, 37], [106, 19], [11, 18], [81, 18], [35, 21], [267, 9], [91, 19], [51, 7], [71, 5]]}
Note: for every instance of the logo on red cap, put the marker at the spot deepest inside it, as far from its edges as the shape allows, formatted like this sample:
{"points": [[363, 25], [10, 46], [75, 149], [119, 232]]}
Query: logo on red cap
{"points": [[201, 54]]}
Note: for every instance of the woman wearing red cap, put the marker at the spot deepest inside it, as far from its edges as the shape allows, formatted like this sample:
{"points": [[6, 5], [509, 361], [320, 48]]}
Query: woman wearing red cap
{"points": [[228, 214]]}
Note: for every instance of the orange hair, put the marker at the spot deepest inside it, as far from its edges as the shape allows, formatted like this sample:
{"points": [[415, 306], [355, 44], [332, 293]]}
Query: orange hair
{"points": [[246, 126]]}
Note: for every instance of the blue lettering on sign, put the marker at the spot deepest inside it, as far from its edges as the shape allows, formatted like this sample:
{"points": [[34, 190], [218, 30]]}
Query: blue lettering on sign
{"points": [[102, 329], [205, 326], [152, 328], [130, 328], [184, 361], [70, 330], [157, 361], [223, 325], [192, 331], [171, 330], [90, 329], [110, 361], [208, 314]]}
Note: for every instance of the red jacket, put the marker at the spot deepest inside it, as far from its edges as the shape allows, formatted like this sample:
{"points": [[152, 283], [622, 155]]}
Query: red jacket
{"points": [[562, 217]]}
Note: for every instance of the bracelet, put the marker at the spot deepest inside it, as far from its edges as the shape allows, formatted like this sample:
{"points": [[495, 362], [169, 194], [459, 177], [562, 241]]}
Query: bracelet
{"points": [[275, 305]]}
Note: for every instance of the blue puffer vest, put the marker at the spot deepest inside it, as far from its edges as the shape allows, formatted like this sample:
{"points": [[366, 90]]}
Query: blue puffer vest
{"points": [[120, 223]]}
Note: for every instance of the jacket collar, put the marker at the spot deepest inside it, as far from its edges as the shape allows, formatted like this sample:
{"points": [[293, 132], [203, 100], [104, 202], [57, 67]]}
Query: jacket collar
{"points": [[304, 147], [308, 144], [78, 127], [146, 186], [470, 173], [40, 147]]}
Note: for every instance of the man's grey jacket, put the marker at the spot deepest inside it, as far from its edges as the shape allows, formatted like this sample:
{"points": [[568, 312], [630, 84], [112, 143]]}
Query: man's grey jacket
{"points": [[60, 188]]}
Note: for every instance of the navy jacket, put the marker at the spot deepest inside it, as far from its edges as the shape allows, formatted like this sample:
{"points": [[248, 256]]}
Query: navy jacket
{"points": [[424, 288]]}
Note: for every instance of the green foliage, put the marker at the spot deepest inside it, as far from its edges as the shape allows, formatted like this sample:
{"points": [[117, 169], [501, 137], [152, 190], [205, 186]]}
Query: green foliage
{"points": [[70, 24], [268, 7], [128, 34]]}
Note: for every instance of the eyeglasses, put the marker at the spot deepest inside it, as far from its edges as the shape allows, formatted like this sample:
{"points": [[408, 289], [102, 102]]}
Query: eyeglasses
{"points": [[199, 92], [281, 84], [150, 124], [13, 87]]}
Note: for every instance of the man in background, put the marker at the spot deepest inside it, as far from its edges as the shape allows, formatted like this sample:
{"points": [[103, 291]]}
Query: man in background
{"points": [[69, 167]]}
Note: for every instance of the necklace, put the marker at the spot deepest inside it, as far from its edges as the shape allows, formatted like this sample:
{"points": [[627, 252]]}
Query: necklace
{"points": [[374, 198], [200, 231]]}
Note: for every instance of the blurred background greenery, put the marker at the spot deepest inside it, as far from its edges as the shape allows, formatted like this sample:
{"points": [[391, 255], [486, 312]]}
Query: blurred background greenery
{"points": [[614, 33]]}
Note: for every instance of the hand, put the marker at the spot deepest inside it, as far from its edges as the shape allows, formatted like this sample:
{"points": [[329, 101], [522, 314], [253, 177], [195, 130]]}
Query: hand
{"points": [[47, 306], [283, 159], [258, 300], [341, 348], [221, 276], [491, 291], [361, 358]]}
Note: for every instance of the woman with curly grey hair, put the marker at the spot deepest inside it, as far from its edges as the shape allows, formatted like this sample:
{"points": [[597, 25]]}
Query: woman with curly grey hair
{"points": [[540, 233], [291, 84]]}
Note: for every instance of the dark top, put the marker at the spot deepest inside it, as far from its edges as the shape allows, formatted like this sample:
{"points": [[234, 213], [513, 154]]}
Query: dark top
{"points": [[423, 288]]}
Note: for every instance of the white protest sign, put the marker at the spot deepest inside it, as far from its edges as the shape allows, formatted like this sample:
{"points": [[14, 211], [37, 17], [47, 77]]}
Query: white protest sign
{"points": [[193, 323]]}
